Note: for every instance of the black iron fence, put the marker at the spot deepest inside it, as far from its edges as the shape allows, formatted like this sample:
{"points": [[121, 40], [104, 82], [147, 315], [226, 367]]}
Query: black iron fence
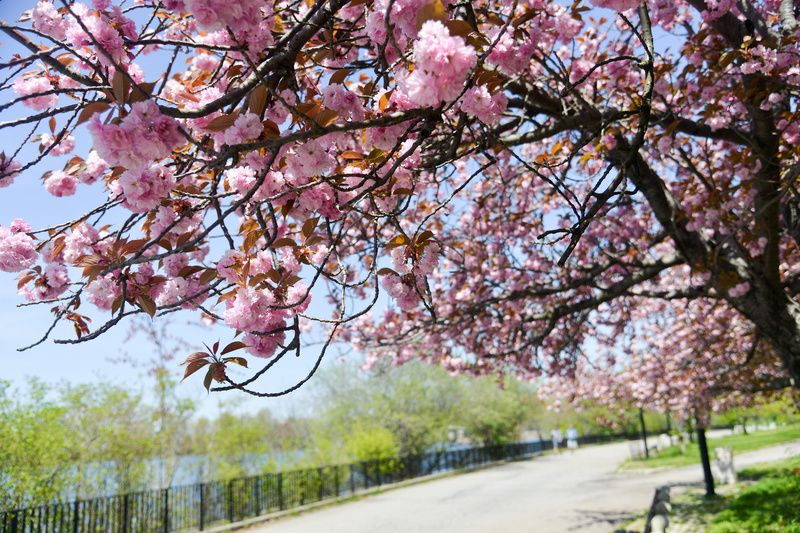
{"points": [[205, 505]]}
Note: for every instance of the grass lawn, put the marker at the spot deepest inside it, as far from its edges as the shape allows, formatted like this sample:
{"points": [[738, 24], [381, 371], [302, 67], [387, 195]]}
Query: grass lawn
{"points": [[766, 501], [739, 443]]}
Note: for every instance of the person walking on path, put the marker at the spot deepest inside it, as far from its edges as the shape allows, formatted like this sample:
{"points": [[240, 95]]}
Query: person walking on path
{"points": [[557, 438], [572, 438]]}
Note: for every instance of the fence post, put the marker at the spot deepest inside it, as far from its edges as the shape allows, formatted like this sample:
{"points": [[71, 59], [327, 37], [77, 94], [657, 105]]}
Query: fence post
{"points": [[280, 490], [321, 483], [166, 510], [125, 511], [336, 479], [75, 516], [202, 506], [230, 501], [258, 494], [352, 479], [378, 473]]}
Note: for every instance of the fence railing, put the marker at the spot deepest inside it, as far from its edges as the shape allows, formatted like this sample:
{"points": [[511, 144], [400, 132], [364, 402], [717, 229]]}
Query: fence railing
{"points": [[204, 505]]}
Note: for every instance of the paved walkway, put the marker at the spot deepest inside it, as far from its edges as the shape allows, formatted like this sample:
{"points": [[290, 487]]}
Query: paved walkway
{"points": [[570, 492]]}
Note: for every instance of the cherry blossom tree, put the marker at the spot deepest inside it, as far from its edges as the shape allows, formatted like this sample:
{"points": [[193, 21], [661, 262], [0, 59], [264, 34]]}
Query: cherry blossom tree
{"points": [[526, 180]]}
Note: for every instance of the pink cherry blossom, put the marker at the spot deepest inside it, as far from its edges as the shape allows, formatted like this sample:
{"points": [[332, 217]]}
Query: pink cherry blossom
{"points": [[9, 169], [17, 250], [487, 108], [35, 88], [64, 146], [59, 183], [142, 137], [617, 5], [442, 64], [144, 189], [48, 20], [247, 127]]}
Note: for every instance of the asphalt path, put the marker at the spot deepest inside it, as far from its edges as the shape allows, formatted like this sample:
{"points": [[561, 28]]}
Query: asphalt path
{"points": [[577, 491]]}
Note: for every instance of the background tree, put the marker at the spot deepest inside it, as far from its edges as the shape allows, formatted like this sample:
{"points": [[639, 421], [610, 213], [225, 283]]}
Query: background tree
{"points": [[34, 461]]}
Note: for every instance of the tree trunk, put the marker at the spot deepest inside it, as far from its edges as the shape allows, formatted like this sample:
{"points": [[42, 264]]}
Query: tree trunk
{"points": [[644, 433], [777, 318], [767, 305], [704, 459]]}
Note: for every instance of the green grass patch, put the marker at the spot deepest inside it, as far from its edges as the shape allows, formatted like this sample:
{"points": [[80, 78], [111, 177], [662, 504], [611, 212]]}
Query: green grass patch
{"points": [[673, 457], [770, 505], [767, 500]]}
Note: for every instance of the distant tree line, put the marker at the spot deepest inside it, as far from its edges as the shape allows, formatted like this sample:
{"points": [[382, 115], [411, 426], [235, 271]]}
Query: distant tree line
{"points": [[70, 441]]}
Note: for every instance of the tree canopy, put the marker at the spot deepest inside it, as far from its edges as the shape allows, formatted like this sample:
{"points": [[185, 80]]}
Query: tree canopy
{"points": [[526, 180]]}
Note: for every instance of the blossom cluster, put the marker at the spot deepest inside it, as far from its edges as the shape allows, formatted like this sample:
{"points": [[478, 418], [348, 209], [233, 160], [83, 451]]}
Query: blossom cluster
{"points": [[442, 63], [144, 136], [17, 248]]}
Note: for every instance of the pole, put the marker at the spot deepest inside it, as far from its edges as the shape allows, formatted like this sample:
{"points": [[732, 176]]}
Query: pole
{"points": [[166, 511], [644, 433], [230, 501], [703, 445], [202, 506], [280, 491], [76, 517], [125, 511]]}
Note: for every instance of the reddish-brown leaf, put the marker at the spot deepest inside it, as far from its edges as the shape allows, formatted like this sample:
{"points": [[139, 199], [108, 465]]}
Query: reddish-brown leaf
{"points": [[459, 27], [339, 76], [141, 92], [433, 11], [120, 86], [424, 236], [227, 296], [208, 378], [116, 304], [207, 276], [309, 226], [187, 271], [351, 156], [258, 99], [23, 280], [235, 345], [147, 305], [193, 367], [222, 122], [284, 241], [399, 240], [196, 356], [241, 361], [325, 117], [90, 109], [271, 130]]}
